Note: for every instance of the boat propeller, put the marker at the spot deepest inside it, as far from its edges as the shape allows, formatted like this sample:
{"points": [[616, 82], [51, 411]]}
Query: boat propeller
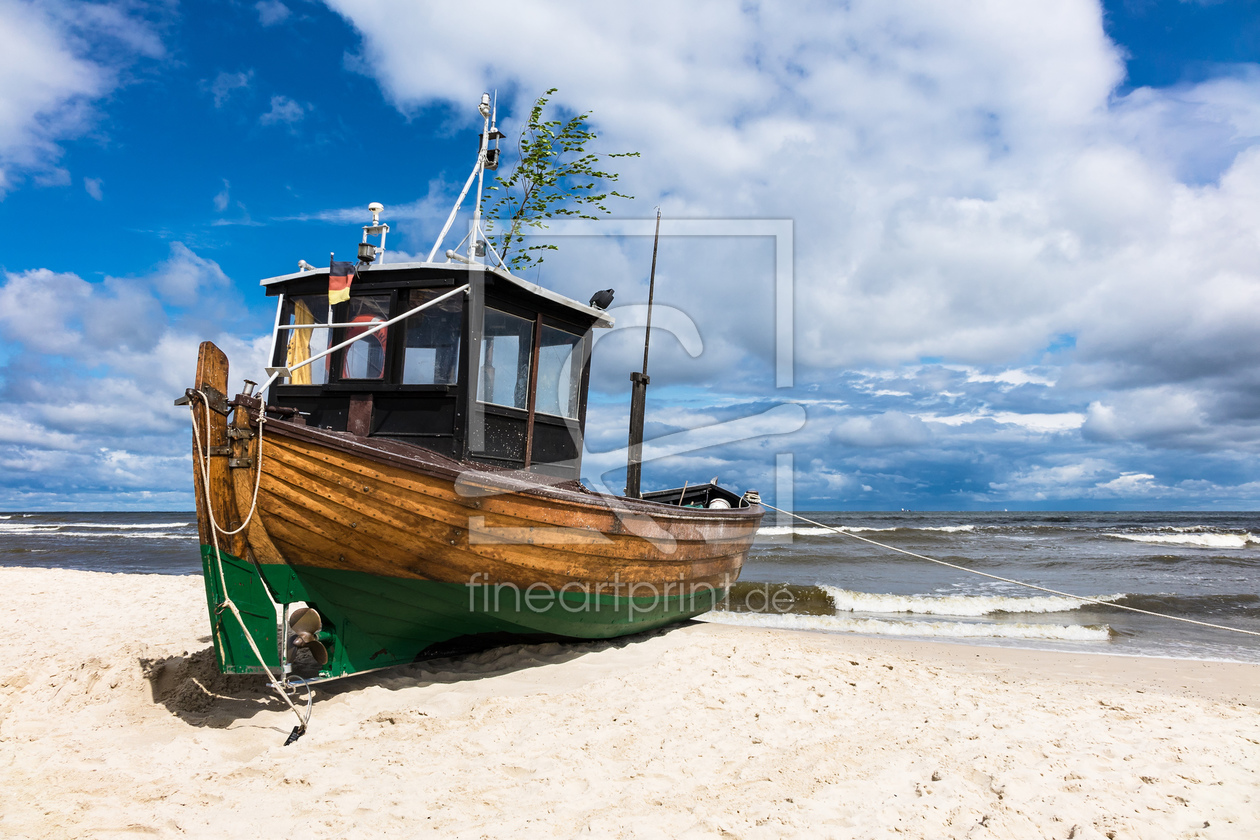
{"points": [[304, 627]]}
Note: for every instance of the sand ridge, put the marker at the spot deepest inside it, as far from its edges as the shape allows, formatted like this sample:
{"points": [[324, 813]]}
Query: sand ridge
{"points": [[113, 720]]}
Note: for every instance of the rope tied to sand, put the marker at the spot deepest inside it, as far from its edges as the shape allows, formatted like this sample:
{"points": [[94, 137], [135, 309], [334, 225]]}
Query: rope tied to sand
{"points": [[215, 530], [1011, 580]]}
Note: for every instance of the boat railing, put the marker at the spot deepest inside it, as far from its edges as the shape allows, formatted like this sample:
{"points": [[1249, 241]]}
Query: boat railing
{"points": [[275, 373]]}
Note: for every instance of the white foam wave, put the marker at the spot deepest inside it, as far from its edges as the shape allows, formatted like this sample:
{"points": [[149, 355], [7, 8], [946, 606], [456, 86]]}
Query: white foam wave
{"points": [[1198, 540], [933, 629], [59, 527], [814, 531], [960, 605], [784, 530], [127, 527], [148, 535]]}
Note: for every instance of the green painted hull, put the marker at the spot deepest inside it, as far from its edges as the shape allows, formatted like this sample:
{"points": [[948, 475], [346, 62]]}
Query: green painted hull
{"points": [[371, 621]]}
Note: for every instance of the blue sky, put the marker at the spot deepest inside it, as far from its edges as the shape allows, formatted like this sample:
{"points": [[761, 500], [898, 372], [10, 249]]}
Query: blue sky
{"points": [[1026, 244]]}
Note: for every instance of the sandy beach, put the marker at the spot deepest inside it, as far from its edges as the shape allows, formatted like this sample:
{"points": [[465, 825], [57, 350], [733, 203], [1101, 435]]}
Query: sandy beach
{"points": [[113, 721]]}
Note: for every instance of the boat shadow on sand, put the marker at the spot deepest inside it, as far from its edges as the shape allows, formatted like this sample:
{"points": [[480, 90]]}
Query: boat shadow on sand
{"points": [[191, 687]]}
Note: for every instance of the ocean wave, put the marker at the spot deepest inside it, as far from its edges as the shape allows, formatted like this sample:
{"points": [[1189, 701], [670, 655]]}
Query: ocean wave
{"points": [[59, 527], [1241, 604], [1197, 539], [784, 530], [972, 606], [147, 535], [933, 629], [814, 531], [126, 527]]}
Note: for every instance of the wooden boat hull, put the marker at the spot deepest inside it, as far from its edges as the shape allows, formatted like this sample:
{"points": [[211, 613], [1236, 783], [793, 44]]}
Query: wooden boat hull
{"points": [[405, 553]]}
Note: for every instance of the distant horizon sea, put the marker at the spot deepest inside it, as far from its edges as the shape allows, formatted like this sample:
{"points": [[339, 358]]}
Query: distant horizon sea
{"points": [[1197, 565]]}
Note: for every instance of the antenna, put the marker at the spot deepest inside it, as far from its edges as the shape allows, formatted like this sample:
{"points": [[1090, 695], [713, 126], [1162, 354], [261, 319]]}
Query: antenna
{"points": [[474, 243], [638, 388]]}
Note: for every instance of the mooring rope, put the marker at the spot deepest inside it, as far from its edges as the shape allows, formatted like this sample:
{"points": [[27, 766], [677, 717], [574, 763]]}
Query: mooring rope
{"points": [[214, 537], [1015, 582]]}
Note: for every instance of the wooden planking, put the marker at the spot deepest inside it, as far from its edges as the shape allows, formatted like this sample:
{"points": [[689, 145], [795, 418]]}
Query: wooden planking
{"points": [[380, 458], [377, 525], [514, 510], [364, 487], [264, 550], [313, 540], [397, 525], [330, 535]]}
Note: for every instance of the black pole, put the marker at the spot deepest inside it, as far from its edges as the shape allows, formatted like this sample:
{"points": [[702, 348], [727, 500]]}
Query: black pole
{"points": [[638, 388]]}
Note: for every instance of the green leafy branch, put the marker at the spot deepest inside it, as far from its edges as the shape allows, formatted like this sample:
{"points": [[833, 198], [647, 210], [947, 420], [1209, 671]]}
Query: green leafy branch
{"points": [[554, 176]]}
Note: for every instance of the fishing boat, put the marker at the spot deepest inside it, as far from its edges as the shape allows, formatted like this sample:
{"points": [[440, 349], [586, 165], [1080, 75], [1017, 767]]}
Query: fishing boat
{"points": [[406, 482]]}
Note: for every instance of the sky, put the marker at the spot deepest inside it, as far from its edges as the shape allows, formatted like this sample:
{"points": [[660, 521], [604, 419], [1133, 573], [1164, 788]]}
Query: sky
{"points": [[1023, 248]]}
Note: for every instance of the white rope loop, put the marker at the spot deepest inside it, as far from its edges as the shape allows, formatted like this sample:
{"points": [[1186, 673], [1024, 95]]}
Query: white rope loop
{"points": [[215, 530], [1016, 582]]}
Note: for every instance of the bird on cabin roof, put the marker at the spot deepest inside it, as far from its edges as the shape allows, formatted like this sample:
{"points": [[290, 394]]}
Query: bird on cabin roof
{"points": [[601, 300]]}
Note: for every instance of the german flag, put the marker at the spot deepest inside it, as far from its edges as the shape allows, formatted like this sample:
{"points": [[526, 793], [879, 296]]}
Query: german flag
{"points": [[340, 276]]}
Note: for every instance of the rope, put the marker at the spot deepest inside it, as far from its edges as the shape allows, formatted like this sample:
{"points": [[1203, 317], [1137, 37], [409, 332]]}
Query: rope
{"points": [[262, 418], [1016, 582], [214, 537]]}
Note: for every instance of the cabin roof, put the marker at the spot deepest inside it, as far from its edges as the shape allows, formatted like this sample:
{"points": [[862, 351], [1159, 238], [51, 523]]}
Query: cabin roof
{"points": [[602, 318]]}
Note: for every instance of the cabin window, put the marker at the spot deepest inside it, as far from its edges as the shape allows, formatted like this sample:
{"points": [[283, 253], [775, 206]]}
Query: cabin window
{"points": [[302, 344], [506, 345], [365, 359], [431, 355], [559, 372]]}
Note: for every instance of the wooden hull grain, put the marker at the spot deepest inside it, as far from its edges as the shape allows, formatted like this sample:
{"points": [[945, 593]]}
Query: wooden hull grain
{"points": [[404, 552]]}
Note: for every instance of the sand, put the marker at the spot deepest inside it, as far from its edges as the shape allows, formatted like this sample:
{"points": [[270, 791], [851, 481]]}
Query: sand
{"points": [[113, 721]]}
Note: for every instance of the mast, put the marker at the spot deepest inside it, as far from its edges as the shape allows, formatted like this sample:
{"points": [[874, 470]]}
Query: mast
{"points": [[638, 388], [473, 239], [487, 158]]}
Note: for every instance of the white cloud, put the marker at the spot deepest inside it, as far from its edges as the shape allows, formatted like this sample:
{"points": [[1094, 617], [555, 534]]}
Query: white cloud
{"points": [[271, 12], [1011, 378], [1128, 485], [222, 198], [185, 278], [888, 429], [1143, 414], [225, 84], [63, 315], [966, 184], [991, 244], [92, 371], [93, 188], [827, 481], [283, 110], [1062, 481], [49, 79], [1042, 423]]}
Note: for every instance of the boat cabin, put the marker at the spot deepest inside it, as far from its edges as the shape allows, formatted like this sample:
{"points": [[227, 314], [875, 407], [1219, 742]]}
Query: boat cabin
{"points": [[494, 369]]}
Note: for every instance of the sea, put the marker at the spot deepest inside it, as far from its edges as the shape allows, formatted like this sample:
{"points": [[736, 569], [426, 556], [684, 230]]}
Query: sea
{"points": [[1199, 566]]}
